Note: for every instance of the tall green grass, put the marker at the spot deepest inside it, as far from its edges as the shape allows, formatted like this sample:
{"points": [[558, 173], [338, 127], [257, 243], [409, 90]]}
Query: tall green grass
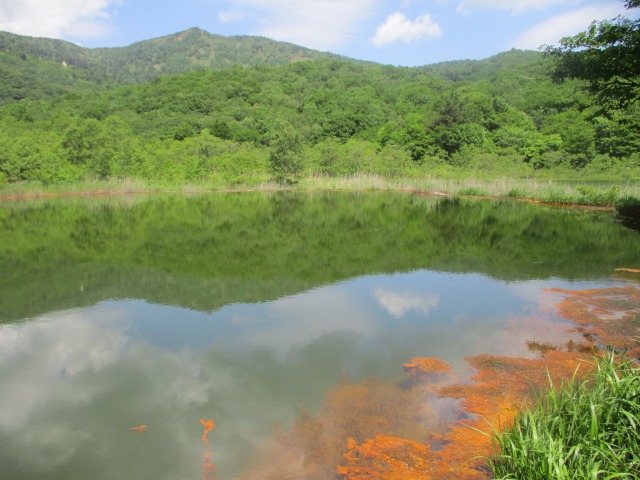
{"points": [[587, 429]]}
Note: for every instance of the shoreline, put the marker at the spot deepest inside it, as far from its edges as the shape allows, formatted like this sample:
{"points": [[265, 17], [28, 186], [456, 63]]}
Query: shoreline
{"points": [[550, 193]]}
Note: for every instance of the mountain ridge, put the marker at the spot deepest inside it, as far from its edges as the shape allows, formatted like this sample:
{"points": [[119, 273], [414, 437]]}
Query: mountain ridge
{"points": [[201, 48], [38, 68]]}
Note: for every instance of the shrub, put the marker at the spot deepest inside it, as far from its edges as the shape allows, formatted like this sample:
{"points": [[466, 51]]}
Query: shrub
{"points": [[473, 191]]}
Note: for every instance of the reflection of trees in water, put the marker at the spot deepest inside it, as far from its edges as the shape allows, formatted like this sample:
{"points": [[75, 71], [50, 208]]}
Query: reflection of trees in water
{"points": [[206, 251]]}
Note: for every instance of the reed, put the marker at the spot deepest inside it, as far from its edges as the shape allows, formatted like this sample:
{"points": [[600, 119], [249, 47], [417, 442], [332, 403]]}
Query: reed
{"points": [[585, 429], [550, 191]]}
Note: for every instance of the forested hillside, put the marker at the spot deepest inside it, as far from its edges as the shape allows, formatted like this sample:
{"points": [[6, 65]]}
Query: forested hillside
{"points": [[37, 68], [250, 124]]}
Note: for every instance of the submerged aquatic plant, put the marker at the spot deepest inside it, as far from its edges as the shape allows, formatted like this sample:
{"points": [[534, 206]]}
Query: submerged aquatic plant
{"points": [[586, 429], [209, 471], [208, 426]]}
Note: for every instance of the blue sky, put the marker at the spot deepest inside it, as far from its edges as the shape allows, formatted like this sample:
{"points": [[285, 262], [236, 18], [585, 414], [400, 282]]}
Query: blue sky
{"points": [[397, 32]]}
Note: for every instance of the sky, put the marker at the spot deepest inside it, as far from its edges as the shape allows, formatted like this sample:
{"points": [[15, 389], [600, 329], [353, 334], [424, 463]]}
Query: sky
{"points": [[395, 32]]}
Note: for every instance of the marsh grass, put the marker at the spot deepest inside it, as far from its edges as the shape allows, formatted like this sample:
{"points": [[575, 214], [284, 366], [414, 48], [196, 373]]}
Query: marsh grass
{"points": [[549, 191], [566, 193], [126, 185], [587, 429]]}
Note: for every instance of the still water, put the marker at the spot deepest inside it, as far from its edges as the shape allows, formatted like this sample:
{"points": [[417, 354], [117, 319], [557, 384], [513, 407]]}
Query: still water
{"points": [[246, 308]]}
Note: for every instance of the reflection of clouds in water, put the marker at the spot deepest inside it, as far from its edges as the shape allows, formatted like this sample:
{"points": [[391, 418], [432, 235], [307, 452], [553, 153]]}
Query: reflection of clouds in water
{"points": [[80, 344], [35, 357], [304, 318], [398, 304], [512, 340], [73, 384], [530, 291], [80, 379], [541, 329]]}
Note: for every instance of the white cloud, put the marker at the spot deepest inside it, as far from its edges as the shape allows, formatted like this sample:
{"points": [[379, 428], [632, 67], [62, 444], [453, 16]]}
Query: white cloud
{"points": [[50, 349], [56, 18], [318, 24], [398, 27], [229, 16], [398, 304], [515, 6], [553, 29]]}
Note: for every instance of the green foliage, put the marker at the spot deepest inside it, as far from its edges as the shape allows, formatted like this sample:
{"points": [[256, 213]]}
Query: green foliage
{"points": [[605, 56], [516, 193], [39, 68], [593, 196], [584, 429], [285, 159], [628, 206], [472, 192], [501, 116]]}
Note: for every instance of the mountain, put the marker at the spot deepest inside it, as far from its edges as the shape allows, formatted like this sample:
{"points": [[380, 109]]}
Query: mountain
{"points": [[475, 70], [196, 107], [38, 68]]}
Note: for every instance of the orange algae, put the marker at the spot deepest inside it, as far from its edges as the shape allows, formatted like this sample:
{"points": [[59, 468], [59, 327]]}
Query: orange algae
{"points": [[208, 426], [373, 426], [609, 315], [140, 429], [426, 369], [428, 430], [386, 457], [208, 467], [431, 427]]}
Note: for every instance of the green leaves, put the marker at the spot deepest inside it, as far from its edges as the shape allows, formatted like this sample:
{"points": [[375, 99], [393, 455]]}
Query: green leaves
{"points": [[285, 159], [499, 114], [605, 56]]}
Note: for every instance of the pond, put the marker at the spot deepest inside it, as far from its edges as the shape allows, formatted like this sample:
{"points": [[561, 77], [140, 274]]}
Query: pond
{"points": [[128, 322]]}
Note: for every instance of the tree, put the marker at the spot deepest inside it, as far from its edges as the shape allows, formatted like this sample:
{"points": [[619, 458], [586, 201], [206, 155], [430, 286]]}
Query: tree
{"points": [[285, 159], [606, 57]]}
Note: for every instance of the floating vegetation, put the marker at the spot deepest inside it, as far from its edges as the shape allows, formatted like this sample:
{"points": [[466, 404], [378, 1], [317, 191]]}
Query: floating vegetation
{"points": [[209, 471], [431, 427], [426, 369], [540, 347], [381, 430], [630, 270], [208, 426], [609, 316]]}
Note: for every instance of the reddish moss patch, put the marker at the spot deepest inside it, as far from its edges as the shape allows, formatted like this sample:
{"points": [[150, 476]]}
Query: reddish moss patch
{"points": [[426, 370], [609, 315]]}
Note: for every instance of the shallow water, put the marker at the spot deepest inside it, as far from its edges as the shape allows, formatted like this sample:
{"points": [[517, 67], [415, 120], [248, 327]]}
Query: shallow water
{"points": [[243, 308]]}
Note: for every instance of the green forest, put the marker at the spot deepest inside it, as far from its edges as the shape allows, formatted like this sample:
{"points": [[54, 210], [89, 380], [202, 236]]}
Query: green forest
{"points": [[196, 108]]}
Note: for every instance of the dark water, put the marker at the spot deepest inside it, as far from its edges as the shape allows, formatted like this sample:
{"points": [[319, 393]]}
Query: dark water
{"points": [[124, 311]]}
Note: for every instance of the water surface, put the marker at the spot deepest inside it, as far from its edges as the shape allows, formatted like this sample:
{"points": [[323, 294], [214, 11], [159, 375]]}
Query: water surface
{"points": [[163, 310]]}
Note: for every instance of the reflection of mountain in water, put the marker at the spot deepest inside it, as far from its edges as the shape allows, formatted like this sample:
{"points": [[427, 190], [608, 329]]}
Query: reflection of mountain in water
{"points": [[206, 251]]}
